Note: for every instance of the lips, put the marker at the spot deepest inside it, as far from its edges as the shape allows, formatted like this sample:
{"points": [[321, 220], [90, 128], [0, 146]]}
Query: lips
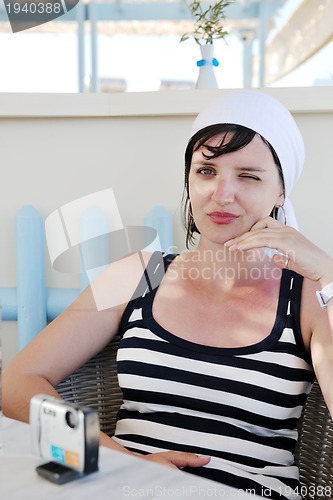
{"points": [[222, 217]]}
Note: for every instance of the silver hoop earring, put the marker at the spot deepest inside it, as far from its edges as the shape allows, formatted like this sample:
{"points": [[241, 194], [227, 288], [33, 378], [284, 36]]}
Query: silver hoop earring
{"points": [[282, 219]]}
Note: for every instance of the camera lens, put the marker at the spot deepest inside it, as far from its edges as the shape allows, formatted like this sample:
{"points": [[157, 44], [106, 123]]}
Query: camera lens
{"points": [[71, 419]]}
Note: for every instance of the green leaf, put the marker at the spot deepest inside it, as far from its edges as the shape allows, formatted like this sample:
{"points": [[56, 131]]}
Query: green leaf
{"points": [[208, 22]]}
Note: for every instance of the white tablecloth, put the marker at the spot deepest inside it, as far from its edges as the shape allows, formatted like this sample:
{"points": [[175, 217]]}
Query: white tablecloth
{"points": [[119, 476]]}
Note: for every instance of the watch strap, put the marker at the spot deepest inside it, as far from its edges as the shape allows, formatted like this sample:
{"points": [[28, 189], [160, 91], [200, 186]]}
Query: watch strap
{"points": [[325, 294]]}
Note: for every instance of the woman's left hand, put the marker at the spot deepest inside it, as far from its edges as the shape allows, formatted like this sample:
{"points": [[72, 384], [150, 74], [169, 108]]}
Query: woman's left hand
{"points": [[298, 253]]}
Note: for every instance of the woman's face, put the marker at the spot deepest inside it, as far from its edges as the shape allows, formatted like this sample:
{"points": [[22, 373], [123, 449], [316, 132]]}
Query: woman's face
{"points": [[232, 192]]}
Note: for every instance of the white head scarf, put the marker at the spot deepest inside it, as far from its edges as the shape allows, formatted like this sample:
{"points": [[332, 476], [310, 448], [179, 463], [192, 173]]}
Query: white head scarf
{"points": [[269, 118]]}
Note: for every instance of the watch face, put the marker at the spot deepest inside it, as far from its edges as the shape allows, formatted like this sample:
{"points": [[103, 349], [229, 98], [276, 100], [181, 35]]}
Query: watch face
{"points": [[328, 291]]}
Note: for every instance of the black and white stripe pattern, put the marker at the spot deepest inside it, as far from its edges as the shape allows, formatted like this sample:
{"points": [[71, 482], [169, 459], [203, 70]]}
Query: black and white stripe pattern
{"points": [[240, 406]]}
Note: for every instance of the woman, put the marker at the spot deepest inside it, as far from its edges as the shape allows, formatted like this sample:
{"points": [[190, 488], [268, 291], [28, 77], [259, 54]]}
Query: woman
{"points": [[218, 356]]}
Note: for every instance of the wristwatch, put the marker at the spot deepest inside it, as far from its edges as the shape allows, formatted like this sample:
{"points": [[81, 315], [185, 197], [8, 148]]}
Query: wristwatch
{"points": [[325, 294]]}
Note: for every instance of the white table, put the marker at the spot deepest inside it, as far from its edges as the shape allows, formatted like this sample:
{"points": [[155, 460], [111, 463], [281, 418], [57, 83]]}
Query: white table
{"points": [[119, 476]]}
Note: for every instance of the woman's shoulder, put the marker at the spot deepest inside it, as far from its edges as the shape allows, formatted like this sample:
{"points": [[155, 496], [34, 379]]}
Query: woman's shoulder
{"points": [[115, 286]]}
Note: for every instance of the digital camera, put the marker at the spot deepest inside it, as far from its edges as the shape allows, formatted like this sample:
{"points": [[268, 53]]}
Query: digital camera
{"points": [[65, 433]]}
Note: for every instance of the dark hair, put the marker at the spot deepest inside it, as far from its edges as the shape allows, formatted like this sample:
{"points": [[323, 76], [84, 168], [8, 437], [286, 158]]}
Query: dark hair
{"points": [[241, 137]]}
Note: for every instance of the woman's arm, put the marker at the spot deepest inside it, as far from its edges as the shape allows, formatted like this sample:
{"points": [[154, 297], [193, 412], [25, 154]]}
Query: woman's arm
{"points": [[59, 350], [71, 339], [320, 323], [317, 268]]}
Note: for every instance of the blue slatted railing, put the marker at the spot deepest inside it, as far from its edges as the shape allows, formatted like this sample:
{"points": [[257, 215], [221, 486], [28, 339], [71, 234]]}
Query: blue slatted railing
{"points": [[30, 274], [31, 303]]}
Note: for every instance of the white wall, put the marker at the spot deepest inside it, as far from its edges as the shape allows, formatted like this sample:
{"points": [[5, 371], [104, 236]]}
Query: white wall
{"points": [[56, 148]]}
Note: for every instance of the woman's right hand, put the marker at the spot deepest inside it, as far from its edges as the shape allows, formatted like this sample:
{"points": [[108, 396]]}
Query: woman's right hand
{"points": [[177, 459]]}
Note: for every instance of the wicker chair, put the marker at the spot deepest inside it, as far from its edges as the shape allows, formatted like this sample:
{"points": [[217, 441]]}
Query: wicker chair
{"points": [[314, 451], [96, 385]]}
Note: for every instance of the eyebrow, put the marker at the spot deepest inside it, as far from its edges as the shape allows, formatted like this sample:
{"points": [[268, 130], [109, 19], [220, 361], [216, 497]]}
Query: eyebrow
{"points": [[252, 169]]}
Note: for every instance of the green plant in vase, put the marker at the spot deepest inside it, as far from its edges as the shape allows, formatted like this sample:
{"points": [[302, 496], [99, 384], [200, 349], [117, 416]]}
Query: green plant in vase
{"points": [[208, 27]]}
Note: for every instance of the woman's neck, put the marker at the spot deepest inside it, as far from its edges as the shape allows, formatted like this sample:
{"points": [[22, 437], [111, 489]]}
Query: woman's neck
{"points": [[226, 268]]}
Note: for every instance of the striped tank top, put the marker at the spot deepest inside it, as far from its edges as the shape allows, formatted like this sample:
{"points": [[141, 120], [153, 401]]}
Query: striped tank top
{"points": [[240, 405]]}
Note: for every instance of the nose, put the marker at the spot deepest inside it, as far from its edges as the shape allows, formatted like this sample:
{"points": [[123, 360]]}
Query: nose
{"points": [[224, 191]]}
